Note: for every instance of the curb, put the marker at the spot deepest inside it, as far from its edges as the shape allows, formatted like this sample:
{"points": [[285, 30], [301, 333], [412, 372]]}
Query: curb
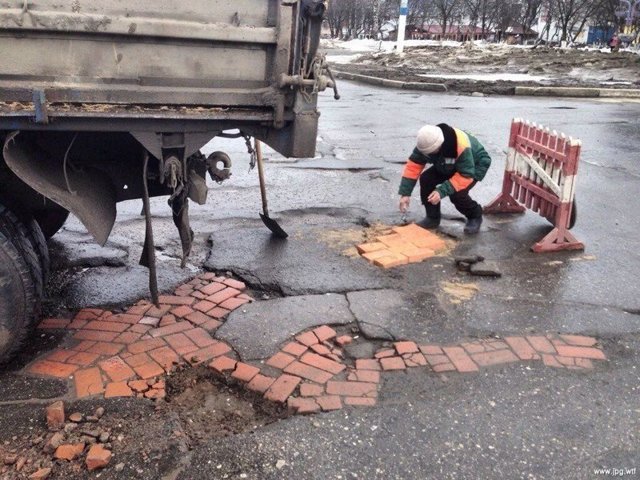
{"points": [[574, 92], [383, 82]]}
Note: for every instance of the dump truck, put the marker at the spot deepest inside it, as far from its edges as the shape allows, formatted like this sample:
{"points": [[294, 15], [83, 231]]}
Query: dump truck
{"points": [[103, 101]]}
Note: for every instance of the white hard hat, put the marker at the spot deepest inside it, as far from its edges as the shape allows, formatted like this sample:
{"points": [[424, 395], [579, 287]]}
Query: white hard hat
{"points": [[430, 139]]}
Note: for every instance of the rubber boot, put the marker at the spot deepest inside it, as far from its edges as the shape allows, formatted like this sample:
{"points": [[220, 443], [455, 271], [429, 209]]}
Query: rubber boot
{"points": [[473, 225]]}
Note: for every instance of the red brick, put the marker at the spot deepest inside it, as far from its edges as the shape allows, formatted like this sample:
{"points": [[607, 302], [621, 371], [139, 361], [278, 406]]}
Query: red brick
{"points": [[414, 360], [405, 347], [494, 345], [55, 415], [213, 288], [167, 320], [69, 452], [311, 390], [117, 389], [233, 303], [473, 347], [155, 393], [581, 352], [150, 321], [352, 389], [437, 359], [359, 402], [541, 344], [523, 349], [391, 260], [98, 457], [223, 295], [579, 340], [146, 345], [159, 312], [88, 382], [138, 360], [308, 372], [207, 353], [282, 388], [307, 338], [329, 403], [321, 350], [551, 361], [494, 358], [149, 370], [566, 361], [200, 337], [170, 329], [208, 276], [218, 313], [199, 295], [95, 336], [344, 340], [52, 369], [432, 242], [223, 364], [431, 350], [211, 325], [106, 326], [84, 345], [166, 357], [77, 324], [182, 311], [368, 376], [116, 369], [584, 363], [460, 359], [260, 383], [139, 386], [443, 367], [245, 372], [204, 306], [138, 309], [125, 318], [366, 364], [371, 257], [370, 247], [60, 355], [238, 285], [324, 333], [303, 405], [175, 300], [295, 349], [181, 343], [88, 314], [392, 363], [53, 323], [322, 363], [280, 360], [198, 318], [83, 359], [385, 353], [127, 338]]}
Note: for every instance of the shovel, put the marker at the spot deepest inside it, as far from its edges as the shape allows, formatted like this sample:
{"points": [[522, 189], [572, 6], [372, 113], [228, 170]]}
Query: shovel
{"points": [[269, 222]]}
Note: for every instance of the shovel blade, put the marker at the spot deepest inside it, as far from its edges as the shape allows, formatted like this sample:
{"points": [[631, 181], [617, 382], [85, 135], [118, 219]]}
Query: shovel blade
{"points": [[272, 225]]}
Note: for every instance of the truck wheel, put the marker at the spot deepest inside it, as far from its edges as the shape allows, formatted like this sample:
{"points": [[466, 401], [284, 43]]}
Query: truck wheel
{"points": [[18, 295]]}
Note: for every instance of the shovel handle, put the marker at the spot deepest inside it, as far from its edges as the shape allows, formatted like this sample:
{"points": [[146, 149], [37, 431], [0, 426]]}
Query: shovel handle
{"points": [[263, 187]]}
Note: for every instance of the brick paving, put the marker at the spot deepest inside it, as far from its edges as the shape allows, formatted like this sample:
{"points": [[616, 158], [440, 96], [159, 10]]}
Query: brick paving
{"points": [[402, 246], [128, 354]]}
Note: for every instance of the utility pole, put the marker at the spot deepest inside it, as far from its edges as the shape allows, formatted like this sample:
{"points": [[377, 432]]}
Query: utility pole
{"points": [[402, 25]]}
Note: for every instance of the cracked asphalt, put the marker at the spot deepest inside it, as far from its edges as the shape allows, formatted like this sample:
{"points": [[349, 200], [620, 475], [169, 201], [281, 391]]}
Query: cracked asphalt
{"points": [[512, 421]]}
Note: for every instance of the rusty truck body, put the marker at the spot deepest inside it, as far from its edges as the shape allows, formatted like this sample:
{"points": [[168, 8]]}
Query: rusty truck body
{"points": [[103, 101]]}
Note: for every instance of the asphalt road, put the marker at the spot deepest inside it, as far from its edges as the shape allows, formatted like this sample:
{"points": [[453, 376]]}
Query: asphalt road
{"points": [[516, 421]]}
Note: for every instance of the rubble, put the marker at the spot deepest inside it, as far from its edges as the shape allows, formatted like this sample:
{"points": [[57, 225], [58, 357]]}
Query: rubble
{"points": [[55, 415], [98, 457], [69, 452], [41, 474]]}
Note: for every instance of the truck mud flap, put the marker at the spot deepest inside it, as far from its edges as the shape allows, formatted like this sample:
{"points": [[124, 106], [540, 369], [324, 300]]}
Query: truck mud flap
{"points": [[86, 193]]}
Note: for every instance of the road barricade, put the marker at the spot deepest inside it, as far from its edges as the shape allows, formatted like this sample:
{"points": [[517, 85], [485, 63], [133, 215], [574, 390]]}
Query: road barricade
{"points": [[541, 176]]}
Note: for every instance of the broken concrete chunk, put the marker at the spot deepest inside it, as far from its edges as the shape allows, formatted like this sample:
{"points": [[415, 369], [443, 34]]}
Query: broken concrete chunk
{"points": [[485, 269], [469, 259]]}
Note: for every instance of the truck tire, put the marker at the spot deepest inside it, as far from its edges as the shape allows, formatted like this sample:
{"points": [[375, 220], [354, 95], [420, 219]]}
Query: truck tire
{"points": [[23, 239], [18, 293]]}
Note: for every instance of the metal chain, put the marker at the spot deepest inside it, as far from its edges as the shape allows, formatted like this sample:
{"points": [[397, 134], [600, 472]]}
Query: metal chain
{"points": [[251, 151]]}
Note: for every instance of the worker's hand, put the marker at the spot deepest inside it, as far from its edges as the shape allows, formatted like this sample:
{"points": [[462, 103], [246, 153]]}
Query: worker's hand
{"points": [[404, 204], [434, 198]]}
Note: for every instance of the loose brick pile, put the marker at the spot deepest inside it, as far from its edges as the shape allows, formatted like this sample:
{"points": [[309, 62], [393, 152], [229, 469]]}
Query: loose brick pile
{"points": [[126, 354], [401, 246]]}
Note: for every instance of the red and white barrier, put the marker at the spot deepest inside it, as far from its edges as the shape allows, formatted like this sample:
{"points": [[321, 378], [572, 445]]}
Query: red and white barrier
{"points": [[541, 176]]}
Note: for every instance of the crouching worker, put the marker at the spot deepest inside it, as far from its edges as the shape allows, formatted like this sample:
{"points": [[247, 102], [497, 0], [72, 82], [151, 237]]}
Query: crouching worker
{"points": [[458, 161]]}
